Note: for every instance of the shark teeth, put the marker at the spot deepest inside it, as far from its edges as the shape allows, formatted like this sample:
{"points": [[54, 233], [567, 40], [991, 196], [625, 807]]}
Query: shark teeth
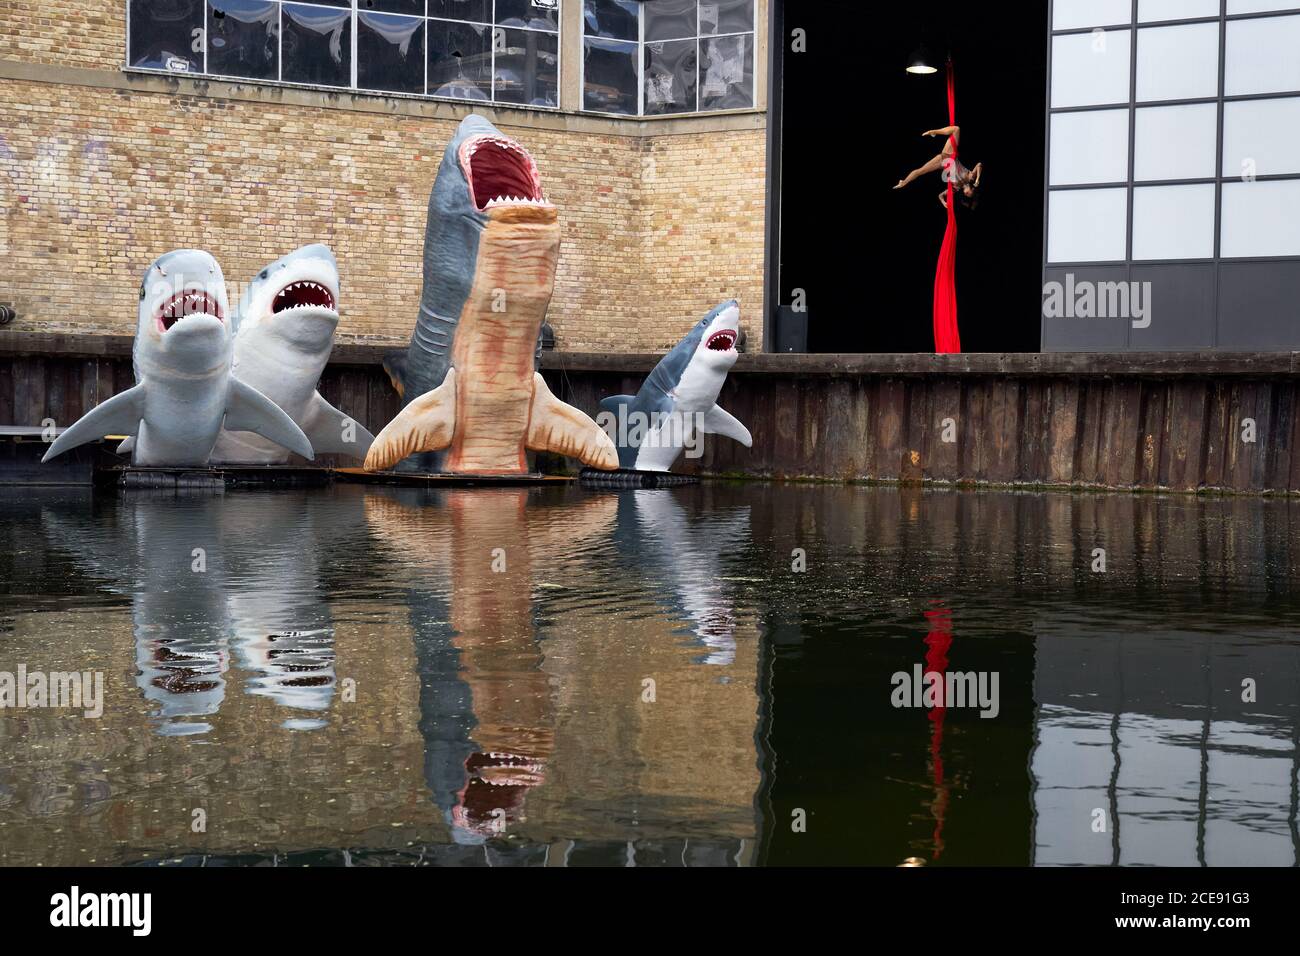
{"points": [[516, 201], [303, 294], [184, 304], [722, 341]]}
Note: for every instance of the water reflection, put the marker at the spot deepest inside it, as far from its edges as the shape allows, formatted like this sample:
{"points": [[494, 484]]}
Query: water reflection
{"points": [[207, 573], [560, 677]]}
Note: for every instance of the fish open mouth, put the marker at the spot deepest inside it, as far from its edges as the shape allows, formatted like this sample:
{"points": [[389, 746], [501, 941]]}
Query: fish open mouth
{"points": [[724, 340], [187, 303], [303, 295], [500, 172]]}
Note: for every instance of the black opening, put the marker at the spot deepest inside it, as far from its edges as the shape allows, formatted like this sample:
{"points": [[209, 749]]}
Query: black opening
{"points": [[847, 121]]}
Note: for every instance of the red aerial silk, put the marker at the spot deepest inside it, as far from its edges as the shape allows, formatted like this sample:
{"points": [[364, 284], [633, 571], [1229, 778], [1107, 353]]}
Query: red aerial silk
{"points": [[937, 643], [946, 338]]}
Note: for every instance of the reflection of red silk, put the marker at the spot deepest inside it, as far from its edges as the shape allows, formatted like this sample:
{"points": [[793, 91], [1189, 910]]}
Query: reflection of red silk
{"points": [[946, 338], [937, 643]]}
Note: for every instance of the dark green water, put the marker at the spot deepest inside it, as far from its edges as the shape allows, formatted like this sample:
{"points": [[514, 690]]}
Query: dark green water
{"points": [[700, 676]]}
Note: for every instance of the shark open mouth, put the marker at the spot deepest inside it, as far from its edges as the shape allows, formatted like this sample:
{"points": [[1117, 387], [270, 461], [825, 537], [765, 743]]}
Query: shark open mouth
{"points": [[500, 172], [189, 302], [303, 295], [723, 340]]}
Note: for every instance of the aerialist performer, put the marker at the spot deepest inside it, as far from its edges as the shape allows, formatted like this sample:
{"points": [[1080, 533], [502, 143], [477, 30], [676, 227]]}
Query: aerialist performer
{"points": [[967, 181]]}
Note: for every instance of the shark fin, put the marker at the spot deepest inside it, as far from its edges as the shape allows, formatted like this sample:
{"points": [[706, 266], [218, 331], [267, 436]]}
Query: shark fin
{"points": [[248, 410], [614, 402], [330, 431], [395, 365], [119, 415], [126, 446], [426, 424], [718, 421], [556, 427]]}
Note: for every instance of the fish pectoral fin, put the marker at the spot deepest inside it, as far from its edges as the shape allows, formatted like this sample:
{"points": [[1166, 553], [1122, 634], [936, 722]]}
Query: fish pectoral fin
{"points": [[248, 410], [120, 415], [332, 432], [427, 424], [556, 427], [718, 421], [395, 365]]}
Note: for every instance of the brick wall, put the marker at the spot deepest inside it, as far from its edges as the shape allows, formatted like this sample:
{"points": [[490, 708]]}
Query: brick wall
{"points": [[96, 181]]}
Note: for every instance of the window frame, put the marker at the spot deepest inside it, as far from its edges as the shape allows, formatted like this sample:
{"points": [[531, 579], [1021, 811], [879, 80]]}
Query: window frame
{"points": [[640, 41], [354, 16], [1221, 100]]}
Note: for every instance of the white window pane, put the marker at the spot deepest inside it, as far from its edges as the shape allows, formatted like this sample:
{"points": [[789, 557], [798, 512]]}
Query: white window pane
{"points": [[1151, 10], [1176, 63], [1262, 56], [1086, 225], [1173, 222], [1259, 6], [1074, 14], [1259, 219], [1089, 147], [1261, 137], [1091, 69], [1176, 142]]}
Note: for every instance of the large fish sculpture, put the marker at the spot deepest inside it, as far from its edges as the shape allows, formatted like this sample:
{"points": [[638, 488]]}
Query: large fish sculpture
{"points": [[468, 378], [679, 399], [284, 332], [184, 391]]}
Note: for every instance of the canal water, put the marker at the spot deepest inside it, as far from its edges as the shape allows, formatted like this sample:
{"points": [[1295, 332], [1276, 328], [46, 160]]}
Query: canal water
{"points": [[724, 674]]}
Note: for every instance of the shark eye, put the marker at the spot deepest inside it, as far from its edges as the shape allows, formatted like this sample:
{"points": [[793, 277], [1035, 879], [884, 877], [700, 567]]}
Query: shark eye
{"points": [[263, 275], [142, 291]]}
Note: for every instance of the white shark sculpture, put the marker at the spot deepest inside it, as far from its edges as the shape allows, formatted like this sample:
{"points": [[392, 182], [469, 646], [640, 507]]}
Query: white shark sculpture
{"points": [[184, 391], [284, 332], [679, 399]]}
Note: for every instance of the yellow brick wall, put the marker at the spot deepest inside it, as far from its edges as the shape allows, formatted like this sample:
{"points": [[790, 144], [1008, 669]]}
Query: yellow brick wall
{"points": [[97, 182]]}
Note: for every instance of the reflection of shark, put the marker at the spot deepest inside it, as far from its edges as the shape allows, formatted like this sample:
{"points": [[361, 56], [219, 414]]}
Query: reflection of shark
{"points": [[184, 390], [485, 701], [284, 332], [149, 549], [687, 556], [468, 378], [199, 583], [679, 397]]}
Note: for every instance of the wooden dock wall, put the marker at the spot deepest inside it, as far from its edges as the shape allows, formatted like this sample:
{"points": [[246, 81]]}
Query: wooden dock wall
{"points": [[1160, 421]]}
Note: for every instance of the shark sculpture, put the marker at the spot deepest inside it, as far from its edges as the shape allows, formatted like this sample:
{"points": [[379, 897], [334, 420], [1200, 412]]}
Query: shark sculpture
{"points": [[284, 332], [679, 399], [469, 378], [184, 390]]}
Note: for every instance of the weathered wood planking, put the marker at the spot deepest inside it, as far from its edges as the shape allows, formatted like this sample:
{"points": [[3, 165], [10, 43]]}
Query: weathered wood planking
{"points": [[1014, 419]]}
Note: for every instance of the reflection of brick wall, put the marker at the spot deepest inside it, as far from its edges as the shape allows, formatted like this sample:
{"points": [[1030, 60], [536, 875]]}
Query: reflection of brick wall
{"points": [[95, 182]]}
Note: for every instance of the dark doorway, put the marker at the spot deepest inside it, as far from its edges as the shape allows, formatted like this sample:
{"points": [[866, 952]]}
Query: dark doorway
{"points": [[847, 122]]}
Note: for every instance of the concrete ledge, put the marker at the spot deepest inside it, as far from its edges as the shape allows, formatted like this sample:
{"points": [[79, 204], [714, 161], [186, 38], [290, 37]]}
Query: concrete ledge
{"points": [[1018, 364], [391, 104]]}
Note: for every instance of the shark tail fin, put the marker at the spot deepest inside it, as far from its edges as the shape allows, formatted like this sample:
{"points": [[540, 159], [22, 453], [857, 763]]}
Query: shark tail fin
{"points": [[120, 415], [248, 410], [718, 421], [427, 424], [332, 432], [556, 427], [395, 365]]}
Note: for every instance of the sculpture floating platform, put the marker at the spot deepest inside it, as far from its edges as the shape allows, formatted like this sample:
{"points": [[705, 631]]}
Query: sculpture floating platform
{"points": [[213, 478], [629, 478], [417, 479]]}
